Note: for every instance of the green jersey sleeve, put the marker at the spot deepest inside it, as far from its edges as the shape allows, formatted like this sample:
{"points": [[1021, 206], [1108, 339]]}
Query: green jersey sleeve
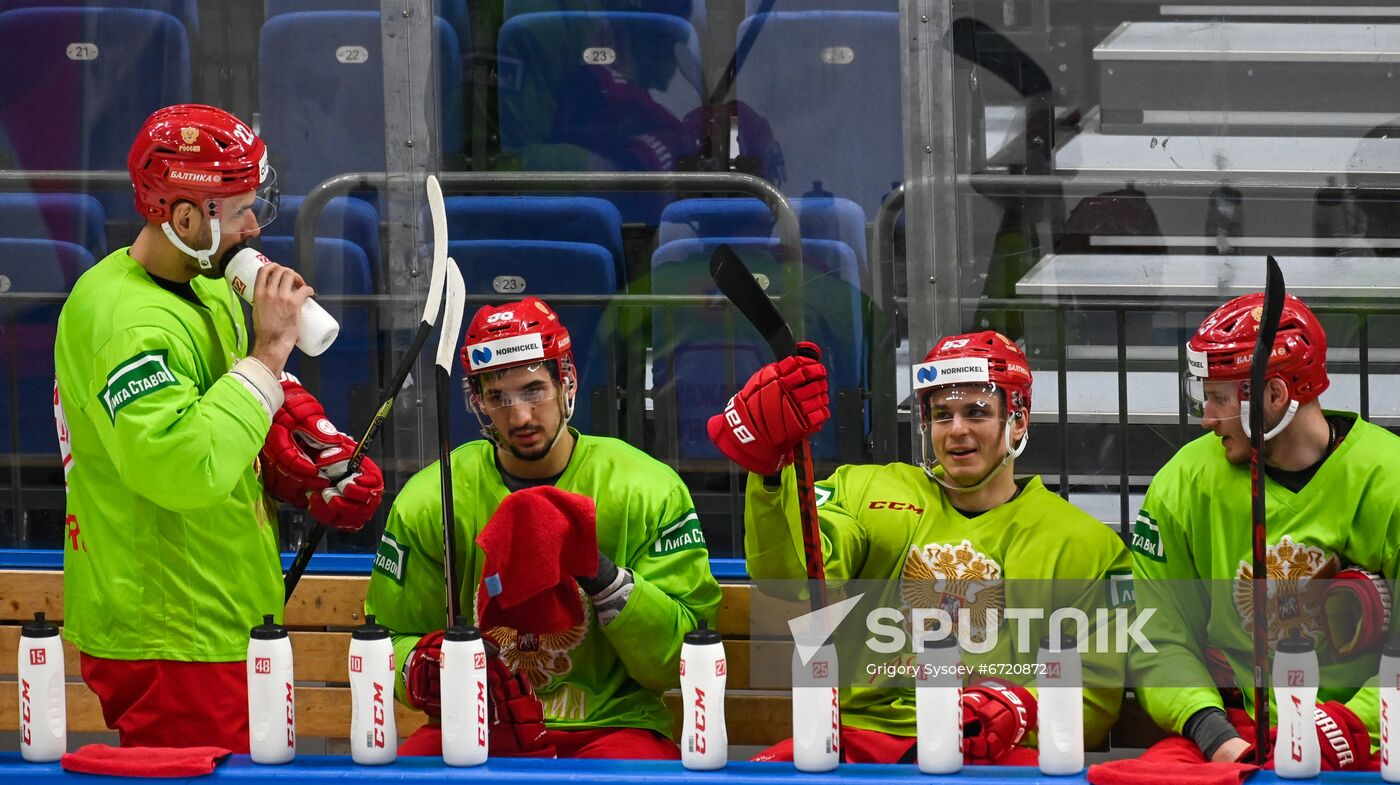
{"points": [[169, 443], [673, 591], [406, 585], [773, 528], [1166, 588]]}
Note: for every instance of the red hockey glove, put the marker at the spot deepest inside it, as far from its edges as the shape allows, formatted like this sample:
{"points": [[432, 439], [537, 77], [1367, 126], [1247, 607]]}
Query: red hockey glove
{"points": [[1342, 737], [300, 430], [421, 675], [350, 503], [782, 403], [1356, 609], [996, 716], [517, 718]]}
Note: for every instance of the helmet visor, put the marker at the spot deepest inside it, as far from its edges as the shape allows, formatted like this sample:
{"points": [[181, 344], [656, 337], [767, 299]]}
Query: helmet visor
{"points": [[974, 403], [252, 210], [1219, 400]]}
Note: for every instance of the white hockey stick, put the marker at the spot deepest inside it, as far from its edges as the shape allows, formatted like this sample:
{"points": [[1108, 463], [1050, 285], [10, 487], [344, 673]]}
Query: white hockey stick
{"points": [[446, 350]]}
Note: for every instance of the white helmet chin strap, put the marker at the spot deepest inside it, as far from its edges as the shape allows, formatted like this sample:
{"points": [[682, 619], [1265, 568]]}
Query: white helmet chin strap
{"points": [[1013, 451], [1277, 429], [203, 257]]}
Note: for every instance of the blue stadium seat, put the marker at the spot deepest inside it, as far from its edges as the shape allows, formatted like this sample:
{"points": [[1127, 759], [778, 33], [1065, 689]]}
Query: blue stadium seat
{"points": [[91, 77], [454, 12], [818, 218], [321, 87], [601, 92], [752, 7], [826, 86], [508, 270], [693, 11], [74, 218], [187, 11], [344, 217], [27, 337], [582, 219], [343, 377], [693, 349]]}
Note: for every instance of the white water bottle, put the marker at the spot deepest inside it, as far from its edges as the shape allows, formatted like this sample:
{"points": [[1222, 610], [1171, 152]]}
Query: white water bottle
{"points": [[816, 711], [704, 673], [1060, 707], [43, 707], [938, 706], [462, 681], [1390, 712], [318, 329], [272, 706], [1296, 752], [374, 740]]}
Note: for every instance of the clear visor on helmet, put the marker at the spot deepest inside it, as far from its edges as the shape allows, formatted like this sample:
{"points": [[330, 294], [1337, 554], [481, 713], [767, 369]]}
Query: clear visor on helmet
{"points": [[251, 210], [975, 404], [1218, 399], [494, 397]]}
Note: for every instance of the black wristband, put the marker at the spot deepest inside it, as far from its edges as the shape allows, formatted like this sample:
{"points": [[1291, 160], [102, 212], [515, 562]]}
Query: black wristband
{"points": [[1209, 728], [607, 573]]}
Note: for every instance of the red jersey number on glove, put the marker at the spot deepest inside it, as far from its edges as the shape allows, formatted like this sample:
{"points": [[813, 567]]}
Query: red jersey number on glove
{"points": [[996, 716], [781, 404]]}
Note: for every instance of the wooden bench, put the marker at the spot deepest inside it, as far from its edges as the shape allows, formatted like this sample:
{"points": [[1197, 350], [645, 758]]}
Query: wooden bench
{"points": [[325, 609]]}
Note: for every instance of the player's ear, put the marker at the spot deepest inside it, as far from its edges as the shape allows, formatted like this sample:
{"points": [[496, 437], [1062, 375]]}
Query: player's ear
{"points": [[184, 219], [1277, 391]]}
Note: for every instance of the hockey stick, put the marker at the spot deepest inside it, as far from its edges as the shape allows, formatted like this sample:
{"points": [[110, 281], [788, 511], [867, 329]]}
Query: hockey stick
{"points": [[425, 326], [447, 345], [738, 284], [1263, 349]]}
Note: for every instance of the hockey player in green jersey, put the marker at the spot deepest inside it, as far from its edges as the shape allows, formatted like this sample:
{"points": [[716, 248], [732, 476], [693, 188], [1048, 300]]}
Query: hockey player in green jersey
{"points": [[1333, 531], [600, 675], [960, 517], [162, 410]]}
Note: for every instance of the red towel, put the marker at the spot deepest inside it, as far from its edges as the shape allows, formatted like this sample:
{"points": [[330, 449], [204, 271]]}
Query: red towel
{"points": [[1172, 761], [143, 761], [536, 542]]}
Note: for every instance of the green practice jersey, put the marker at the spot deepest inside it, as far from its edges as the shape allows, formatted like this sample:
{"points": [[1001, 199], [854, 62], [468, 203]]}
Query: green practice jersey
{"points": [[171, 552], [1195, 524], [893, 524], [588, 676]]}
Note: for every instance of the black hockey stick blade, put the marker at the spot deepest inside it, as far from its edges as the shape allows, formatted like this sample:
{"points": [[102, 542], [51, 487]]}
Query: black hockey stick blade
{"points": [[735, 282], [738, 285], [1258, 373]]}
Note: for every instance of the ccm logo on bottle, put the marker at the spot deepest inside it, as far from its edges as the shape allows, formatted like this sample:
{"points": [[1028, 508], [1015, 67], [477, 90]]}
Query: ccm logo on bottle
{"points": [[25, 712], [481, 713], [699, 720], [291, 718], [378, 732]]}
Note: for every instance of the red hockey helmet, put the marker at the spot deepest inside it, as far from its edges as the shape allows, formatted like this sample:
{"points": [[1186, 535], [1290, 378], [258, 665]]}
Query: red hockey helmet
{"points": [[981, 364], [992, 358], [511, 335], [1223, 347], [193, 152]]}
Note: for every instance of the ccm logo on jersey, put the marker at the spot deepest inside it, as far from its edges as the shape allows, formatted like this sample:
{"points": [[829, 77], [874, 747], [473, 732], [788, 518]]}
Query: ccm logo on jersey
{"points": [[884, 505], [741, 431]]}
